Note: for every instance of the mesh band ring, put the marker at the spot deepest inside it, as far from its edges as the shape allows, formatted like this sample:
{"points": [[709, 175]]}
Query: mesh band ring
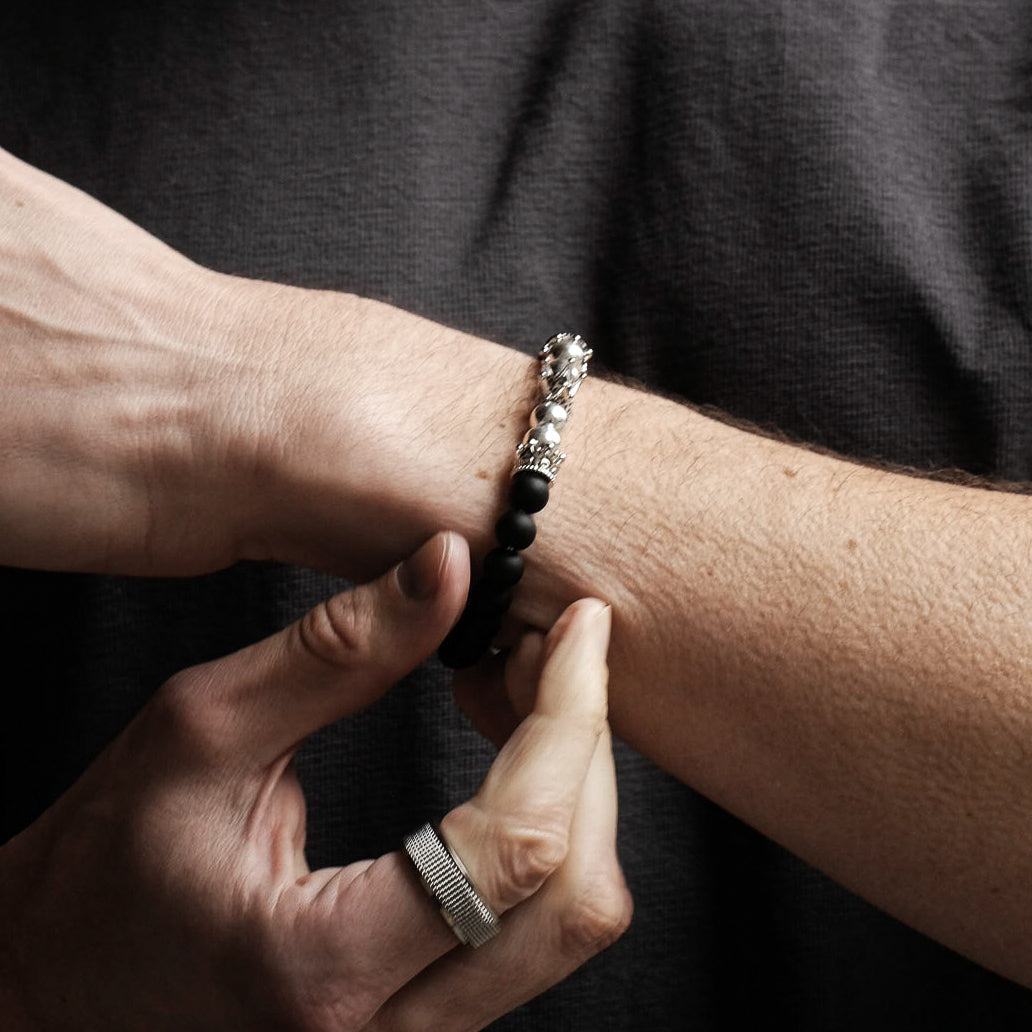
{"points": [[448, 883]]}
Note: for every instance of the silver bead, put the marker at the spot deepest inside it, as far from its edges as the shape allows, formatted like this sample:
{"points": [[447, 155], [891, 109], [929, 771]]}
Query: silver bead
{"points": [[550, 412], [541, 437]]}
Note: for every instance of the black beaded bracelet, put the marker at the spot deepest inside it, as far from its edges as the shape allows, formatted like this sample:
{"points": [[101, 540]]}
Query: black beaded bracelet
{"points": [[564, 365]]}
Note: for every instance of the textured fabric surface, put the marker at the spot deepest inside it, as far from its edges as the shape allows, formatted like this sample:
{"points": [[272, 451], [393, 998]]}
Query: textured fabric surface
{"points": [[814, 214]]}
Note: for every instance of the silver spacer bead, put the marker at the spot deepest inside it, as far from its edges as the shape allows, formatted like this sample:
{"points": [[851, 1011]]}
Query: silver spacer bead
{"points": [[550, 412], [539, 451], [546, 465], [543, 436]]}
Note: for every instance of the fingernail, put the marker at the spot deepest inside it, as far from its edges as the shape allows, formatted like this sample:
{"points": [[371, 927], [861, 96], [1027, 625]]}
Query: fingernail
{"points": [[419, 576]]}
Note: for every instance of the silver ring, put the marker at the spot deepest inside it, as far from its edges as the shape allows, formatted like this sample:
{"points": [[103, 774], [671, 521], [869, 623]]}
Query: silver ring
{"points": [[446, 880]]}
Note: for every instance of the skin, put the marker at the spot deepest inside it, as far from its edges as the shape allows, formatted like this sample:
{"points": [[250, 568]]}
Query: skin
{"points": [[168, 888], [837, 654]]}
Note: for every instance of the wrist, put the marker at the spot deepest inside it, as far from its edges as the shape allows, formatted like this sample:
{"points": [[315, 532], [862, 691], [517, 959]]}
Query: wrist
{"points": [[595, 540], [369, 429], [202, 426], [478, 407]]}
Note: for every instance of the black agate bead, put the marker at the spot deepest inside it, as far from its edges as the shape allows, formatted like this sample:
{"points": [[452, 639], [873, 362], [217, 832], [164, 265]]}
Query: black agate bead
{"points": [[466, 643], [503, 567], [529, 491], [489, 598], [515, 529]]}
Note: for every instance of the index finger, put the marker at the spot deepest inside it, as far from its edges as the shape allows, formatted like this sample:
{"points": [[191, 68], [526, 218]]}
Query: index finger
{"points": [[510, 837], [515, 831]]}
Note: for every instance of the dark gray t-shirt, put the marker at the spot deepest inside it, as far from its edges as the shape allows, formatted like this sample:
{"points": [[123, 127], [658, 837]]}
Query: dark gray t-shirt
{"points": [[814, 214]]}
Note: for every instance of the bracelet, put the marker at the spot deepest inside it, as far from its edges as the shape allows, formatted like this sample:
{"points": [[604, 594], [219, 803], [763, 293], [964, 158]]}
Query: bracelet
{"points": [[564, 365]]}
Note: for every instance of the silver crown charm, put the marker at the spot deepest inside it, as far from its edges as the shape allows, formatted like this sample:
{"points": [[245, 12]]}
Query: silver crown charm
{"points": [[539, 451], [564, 365]]}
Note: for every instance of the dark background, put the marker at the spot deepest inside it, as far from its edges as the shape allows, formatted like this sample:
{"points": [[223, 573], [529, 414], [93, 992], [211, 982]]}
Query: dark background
{"points": [[814, 214]]}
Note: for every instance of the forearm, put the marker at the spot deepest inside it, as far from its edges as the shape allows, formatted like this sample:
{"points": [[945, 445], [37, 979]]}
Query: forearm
{"points": [[836, 654]]}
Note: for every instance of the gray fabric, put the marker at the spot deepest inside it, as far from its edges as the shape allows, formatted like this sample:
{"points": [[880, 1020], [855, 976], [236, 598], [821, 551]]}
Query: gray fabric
{"points": [[812, 213]]}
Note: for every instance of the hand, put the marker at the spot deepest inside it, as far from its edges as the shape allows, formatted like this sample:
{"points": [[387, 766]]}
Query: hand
{"points": [[169, 420], [168, 888]]}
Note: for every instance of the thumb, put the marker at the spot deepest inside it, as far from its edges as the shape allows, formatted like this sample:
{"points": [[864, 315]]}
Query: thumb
{"points": [[340, 656]]}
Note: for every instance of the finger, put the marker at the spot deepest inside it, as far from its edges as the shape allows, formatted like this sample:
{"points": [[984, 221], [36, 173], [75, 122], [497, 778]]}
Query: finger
{"points": [[583, 908], [380, 926], [369, 927], [485, 692], [479, 692], [515, 830], [523, 673], [262, 701]]}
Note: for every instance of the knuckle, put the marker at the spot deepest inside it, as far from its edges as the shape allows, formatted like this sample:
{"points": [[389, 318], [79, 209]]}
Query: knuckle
{"points": [[338, 631], [342, 1015], [188, 714], [514, 854], [588, 723], [592, 724], [527, 855], [599, 914]]}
